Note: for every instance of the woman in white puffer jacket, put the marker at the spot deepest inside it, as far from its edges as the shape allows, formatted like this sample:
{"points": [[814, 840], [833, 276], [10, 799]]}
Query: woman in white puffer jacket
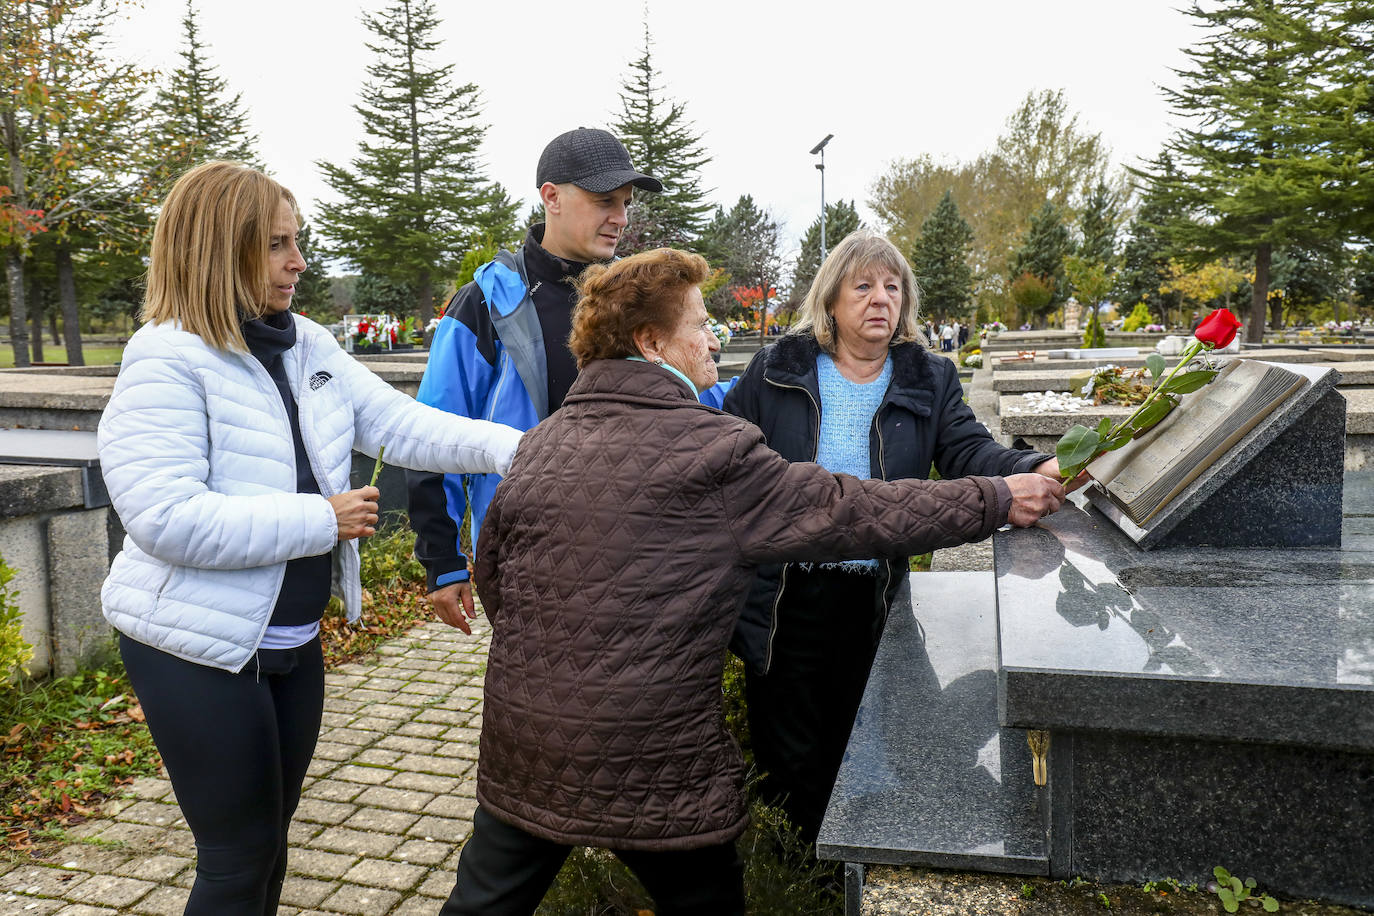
{"points": [[226, 449]]}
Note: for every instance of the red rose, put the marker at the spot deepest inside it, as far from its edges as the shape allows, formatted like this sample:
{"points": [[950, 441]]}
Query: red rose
{"points": [[1218, 328]]}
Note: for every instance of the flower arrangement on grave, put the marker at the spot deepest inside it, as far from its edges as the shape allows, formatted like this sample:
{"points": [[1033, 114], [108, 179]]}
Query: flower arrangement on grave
{"points": [[376, 331], [1080, 445], [1117, 385], [366, 332], [720, 330], [993, 327], [974, 359]]}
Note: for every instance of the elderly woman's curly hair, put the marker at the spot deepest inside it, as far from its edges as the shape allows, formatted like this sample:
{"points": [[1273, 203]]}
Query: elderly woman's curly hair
{"points": [[644, 290]]}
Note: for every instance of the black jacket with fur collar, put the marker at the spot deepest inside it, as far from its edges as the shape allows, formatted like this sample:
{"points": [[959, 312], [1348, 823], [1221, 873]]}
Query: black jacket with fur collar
{"points": [[922, 422]]}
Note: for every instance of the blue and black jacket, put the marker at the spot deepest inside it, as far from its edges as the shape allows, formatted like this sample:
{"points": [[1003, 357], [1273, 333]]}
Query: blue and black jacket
{"points": [[487, 360]]}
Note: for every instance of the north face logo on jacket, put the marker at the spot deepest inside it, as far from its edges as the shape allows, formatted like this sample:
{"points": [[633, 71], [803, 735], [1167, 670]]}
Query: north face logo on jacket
{"points": [[318, 379]]}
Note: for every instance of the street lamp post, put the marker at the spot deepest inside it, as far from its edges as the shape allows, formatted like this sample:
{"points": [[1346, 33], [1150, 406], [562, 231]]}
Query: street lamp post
{"points": [[820, 148]]}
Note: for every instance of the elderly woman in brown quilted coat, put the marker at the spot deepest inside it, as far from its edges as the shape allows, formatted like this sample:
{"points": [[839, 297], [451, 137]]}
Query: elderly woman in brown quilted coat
{"points": [[612, 563]]}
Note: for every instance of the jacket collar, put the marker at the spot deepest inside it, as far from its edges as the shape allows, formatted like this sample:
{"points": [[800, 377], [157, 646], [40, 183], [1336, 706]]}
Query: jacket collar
{"points": [[630, 382], [541, 264], [792, 361]]}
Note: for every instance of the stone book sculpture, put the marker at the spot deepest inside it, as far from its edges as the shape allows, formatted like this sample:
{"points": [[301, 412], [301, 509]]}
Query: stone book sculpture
{"points": [[1253, 459], [1149, 471]]}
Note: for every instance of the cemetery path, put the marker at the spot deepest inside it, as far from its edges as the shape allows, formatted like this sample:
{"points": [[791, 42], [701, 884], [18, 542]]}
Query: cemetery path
{"points": [[389, 798]]}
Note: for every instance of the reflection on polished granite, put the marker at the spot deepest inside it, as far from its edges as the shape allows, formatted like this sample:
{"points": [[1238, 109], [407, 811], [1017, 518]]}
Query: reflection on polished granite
{"points": [[929, 777], [1254, 644]]}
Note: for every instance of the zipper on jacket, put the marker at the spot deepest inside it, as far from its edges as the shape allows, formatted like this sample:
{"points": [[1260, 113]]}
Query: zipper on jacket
{"points": [[496, 391], [274, 398], [782, 581], [887, 564]]}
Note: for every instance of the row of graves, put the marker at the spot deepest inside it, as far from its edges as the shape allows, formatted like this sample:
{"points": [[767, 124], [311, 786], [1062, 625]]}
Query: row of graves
{"points": [[1174, 672]]}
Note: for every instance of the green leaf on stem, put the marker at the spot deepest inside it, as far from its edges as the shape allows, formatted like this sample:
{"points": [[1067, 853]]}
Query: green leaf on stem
{"points": [[1076, 447], [1156, 364], [1115, 442], [1189, 381], [1157, 410], [1104, 427]]}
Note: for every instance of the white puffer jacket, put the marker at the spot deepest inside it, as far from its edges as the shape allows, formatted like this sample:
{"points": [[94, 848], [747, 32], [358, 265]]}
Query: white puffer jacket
{"points": [[197, 453]]}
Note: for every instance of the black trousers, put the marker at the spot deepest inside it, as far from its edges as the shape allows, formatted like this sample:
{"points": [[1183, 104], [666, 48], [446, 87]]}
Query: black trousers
{"points": [[801, 711], [236, 747], [505, 871]]}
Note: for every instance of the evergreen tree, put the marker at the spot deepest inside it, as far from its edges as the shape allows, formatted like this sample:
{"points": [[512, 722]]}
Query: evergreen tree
{"points": [[664, 144], [1145, 255], [744, 242], [940, 260], [841, 218], [1279, 92], [1042, 253], [1308, 276], [415, 198], [1363, 283], [197, 120], [375, 294], [1098, 225]]}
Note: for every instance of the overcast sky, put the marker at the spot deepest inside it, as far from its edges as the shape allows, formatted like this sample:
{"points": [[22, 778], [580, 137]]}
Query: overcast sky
{"points": [[763, 82]]}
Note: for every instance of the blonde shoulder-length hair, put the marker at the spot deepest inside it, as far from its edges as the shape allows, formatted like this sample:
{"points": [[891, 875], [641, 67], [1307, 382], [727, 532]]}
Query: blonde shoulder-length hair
{"points": [[208, 269], [859, 250]]}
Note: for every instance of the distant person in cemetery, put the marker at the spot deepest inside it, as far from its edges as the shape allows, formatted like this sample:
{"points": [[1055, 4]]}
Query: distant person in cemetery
{"points": [[853, 388], [611, 563], [501, 348], [226, 448], [946, 336], [963, 333]]}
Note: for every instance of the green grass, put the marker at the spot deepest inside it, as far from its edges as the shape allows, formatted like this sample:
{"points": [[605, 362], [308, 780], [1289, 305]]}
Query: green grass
{"points": [[94, 356], [71, 742]]}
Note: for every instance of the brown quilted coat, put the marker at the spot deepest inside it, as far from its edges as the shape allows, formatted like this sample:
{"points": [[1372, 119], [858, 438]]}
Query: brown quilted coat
{"points": [[612, 563]]}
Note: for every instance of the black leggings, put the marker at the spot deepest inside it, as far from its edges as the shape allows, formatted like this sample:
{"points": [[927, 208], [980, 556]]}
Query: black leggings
{"points": [[801, 712], [236, 747], [505, 871]]}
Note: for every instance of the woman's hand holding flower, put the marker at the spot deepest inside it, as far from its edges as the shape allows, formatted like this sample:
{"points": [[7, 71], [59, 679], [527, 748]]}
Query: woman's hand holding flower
{"points": [[356, 512]]}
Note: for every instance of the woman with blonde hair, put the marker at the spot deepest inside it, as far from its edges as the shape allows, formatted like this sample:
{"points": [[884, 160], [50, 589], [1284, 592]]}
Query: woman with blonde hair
{"points": [[226, 448], [612, 563], [853, 388]]}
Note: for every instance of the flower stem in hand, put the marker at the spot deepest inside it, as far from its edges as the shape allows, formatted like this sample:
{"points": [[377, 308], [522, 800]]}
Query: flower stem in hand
{"points": [[377, 468]]}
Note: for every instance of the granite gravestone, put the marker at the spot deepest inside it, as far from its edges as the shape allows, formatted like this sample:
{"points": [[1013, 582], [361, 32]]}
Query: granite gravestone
{"points": [[1208, 701]]}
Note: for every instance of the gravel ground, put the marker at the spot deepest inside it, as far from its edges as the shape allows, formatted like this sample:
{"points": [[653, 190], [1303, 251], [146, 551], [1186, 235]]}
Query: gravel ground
{"points": [[898, 891]]}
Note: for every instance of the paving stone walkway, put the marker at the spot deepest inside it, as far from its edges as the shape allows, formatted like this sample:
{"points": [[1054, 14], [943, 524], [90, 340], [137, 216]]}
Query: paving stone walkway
{"points": [[386, 804]]}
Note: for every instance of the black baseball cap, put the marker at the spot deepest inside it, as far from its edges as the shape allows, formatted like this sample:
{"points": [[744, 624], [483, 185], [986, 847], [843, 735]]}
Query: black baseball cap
{"points": [[592, 159]]}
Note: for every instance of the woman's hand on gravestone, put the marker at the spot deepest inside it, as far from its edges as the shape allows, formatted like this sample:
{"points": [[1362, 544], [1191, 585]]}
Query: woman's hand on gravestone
{"points": [[1033, 496]]}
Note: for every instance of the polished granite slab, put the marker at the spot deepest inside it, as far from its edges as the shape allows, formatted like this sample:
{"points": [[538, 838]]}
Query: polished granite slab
{"points": [[929, 777], [1271, 646]]}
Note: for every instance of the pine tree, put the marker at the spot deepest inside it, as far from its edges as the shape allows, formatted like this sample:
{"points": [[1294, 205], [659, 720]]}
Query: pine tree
{"points": [[662, 143], [744, 242], [1145, 255], [1098, 225], [940, 260], [415, 198], [197, 119], [1275, 90], [1042, 252], [841, 218]]}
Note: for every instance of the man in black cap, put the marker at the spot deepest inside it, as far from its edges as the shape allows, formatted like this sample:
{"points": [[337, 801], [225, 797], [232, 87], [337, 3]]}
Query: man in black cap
{"points": [[501, 349]]}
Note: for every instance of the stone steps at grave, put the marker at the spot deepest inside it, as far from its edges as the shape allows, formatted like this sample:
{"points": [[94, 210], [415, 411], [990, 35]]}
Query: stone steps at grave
{"points": [[929, 777]]}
